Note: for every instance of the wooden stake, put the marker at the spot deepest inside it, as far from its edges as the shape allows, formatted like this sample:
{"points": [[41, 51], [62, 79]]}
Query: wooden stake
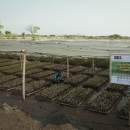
{"points": [[24, 62], [67, 67], [21, 56], [129, 118], [93, 63], [52, 59]]}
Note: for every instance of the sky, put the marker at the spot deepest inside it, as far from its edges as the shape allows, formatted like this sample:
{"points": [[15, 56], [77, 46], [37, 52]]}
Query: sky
{"points": [[67, 17]]}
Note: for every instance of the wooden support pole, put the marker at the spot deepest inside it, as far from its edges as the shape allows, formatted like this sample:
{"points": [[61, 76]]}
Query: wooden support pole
{"points": [[24, 62], [93, 63], [21, 58], [53, 59], [129, 118], [67, 67]]}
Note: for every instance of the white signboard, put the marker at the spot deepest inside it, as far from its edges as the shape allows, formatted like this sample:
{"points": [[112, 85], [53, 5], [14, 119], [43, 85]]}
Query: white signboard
{"points": [[120, 68]]}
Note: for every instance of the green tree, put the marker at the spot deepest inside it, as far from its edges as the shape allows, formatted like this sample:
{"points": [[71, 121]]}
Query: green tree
{"points": [[32, 29], [1, 26], [115, 36], [8, 33], [23, 35]]}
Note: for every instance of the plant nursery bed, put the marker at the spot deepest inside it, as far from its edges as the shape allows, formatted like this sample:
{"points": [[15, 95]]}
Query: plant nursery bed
{"points": [[75, 97], [96, 82], [104, 72], [41, 75], [50, 66], [117, 88], [104, 103], [76, 79], [6, 78], [29, 72], [9, 63], [13, 84], [61, 67], [32, 87], [91, 72], [53, 92], [77, 69], [2, 60]]}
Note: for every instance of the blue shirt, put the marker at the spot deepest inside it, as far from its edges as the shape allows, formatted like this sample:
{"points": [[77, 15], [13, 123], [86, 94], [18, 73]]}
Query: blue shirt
{"points": [[60, 73]]}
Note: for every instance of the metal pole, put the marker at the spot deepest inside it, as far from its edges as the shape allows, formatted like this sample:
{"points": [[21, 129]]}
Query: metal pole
{"points": [[93, 63], [24, 62], [67, 67]]}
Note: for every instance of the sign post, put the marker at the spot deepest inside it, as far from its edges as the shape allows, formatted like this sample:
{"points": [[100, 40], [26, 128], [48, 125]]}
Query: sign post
{"points": [[120, 69]]}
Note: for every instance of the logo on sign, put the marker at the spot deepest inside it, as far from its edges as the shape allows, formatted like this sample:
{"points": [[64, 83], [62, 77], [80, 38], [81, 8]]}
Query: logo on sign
{"points": [[117, 57]]}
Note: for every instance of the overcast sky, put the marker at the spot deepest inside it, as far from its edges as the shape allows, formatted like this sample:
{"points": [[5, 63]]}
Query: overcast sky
{"points": [[72, 17]]}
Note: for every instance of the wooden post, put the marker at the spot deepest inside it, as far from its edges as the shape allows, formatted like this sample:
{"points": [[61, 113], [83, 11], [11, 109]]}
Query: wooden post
{"points": [[24, 62], [21, 58], [129, 118], [93, 63], [52, 59], [67, 67]]}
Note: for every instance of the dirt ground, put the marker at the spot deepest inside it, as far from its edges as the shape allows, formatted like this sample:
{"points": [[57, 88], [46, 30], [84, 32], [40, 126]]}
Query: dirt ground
{"points": [[40, 115]]}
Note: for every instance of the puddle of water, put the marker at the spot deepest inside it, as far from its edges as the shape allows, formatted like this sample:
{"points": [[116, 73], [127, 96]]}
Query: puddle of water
{"points": [[7, 95], [121, 103]]}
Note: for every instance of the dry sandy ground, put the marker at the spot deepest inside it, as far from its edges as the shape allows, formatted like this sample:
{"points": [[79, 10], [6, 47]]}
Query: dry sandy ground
{"points": [[70, 48], [12, 118]]}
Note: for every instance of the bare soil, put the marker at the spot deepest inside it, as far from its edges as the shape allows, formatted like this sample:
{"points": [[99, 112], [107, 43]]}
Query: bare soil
{"points": [[40, 115]]}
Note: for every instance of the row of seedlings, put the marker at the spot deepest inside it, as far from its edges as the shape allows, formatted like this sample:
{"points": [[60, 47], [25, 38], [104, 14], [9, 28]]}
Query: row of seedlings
{"points": [[53, 92], [89, 62], [77, 69], [91, 71], [42, 74], [13, 84], [117, 88], [76, 79], [39, 58], [60, 60], [96, 82], [2, 60], [103, 64], [32, 87], [61, 67], [1, 74], [50, 66], [124, 113], [104, 72], [75, 61], [29, 72], [30, 65], [9, 63], [104, 102], [9, 67], [6, 78], [75, 96], [13, 68], [9, 55]]}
